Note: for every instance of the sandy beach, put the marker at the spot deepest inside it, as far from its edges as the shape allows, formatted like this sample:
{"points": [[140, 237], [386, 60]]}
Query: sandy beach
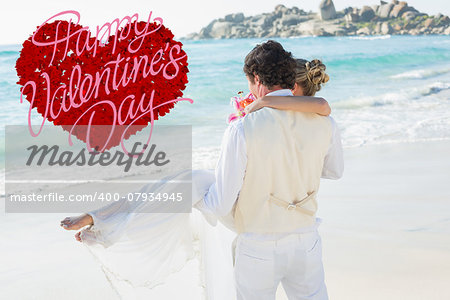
{"points": [[386, 227], [385, 231]]}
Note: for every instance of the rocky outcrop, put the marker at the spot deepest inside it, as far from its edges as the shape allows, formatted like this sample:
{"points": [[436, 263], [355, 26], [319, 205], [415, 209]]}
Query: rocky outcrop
{"points": [[385, 10], [386, 28], [366, 14], [396, 17], [235, 18], [327, 10], [409, 15]]}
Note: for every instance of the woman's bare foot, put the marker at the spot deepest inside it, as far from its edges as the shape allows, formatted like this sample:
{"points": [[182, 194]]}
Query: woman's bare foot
{"points": [[75, 223]]}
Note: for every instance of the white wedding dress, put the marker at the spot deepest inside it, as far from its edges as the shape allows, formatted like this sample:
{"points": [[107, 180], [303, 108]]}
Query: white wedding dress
{"points": [[163, 255]]}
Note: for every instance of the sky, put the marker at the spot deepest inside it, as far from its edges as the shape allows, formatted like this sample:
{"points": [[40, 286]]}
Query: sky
{"points": [[18, 19]]}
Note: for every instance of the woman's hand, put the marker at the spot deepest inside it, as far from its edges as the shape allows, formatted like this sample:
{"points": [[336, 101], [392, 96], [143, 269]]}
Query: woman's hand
{"points": [[254, 106]]}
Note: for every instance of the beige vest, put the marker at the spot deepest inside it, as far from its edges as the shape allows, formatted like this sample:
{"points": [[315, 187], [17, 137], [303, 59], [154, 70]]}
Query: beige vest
{"points": [[285, 156]]}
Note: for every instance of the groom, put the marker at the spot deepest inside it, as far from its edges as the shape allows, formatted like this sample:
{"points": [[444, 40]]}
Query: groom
{"points": [[267, 180]]}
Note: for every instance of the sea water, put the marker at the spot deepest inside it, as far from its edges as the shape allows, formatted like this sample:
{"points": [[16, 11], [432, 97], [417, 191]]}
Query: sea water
{"points": [[384, 89]]}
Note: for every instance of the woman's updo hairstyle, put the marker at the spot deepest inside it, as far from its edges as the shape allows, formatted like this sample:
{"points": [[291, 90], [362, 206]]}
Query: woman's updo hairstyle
{"points": [[310, 75]]}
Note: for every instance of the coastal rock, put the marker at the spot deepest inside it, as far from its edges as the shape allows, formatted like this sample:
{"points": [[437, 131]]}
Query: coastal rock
{"points": [[306, 28], [445, 20], [347, 10], [375, 9], [409, 25], [221, 29], [387, 18], [400, 9], [289, 20], [235, 18], [238, 31], [206, 32], [428, 22], [366, 14], [386, 28], [299, 11], [437, 30], [377, 28], [340, 32], [264, 21], [281, 9], [385, 10], [317, 27], [397, 27], [409, 15], [327, 10], [397, 10], [363, 31], [336, 30], [351, 17], [321, 32]]}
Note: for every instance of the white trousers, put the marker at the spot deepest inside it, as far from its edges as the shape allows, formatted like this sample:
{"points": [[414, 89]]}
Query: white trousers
{"points": [[294, 260]]}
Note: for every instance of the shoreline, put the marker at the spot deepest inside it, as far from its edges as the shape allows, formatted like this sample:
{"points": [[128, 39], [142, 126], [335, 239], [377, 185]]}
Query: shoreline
{"points": [[377, 36], [184, 39]]}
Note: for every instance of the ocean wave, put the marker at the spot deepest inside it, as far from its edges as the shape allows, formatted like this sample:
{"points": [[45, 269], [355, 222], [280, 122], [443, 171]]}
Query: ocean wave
{"points": [[435, 88], [398, 97], [302, 36], [8, 53], [371, 38], [420, 74], [370, 101]]}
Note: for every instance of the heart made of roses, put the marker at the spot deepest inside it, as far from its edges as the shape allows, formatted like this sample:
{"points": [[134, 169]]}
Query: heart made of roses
{"points": [[34, 61]]}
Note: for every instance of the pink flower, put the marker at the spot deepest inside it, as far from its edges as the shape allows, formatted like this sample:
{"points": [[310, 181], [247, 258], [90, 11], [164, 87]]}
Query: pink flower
{"points": [[239, 103]]}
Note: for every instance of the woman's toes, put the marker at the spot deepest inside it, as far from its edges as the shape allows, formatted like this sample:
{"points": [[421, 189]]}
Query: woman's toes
{"points": [[66, 221], [75, 223], [78, 236], [64, 225]]}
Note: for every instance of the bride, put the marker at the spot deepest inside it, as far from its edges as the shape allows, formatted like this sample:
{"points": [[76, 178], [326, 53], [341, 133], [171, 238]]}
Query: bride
{"points": [[152, 255]]}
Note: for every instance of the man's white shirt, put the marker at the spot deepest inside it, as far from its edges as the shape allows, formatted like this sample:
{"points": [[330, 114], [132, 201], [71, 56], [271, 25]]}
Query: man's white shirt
{"points": [[230, 169]]}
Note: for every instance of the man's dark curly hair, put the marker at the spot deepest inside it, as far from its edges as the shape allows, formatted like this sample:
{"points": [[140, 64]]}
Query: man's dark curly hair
{"points": [[273, 65]]}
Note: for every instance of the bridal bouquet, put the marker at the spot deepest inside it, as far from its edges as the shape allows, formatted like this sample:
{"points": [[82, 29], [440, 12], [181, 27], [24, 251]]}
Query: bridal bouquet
{"points": [[240, 102]]}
